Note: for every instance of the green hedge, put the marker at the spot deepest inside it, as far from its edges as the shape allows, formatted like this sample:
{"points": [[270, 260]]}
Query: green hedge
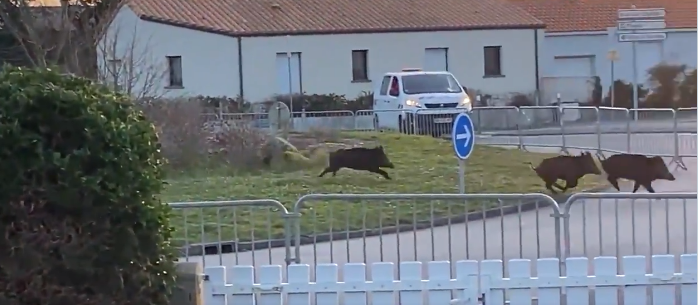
{"points": [[82, 221]]}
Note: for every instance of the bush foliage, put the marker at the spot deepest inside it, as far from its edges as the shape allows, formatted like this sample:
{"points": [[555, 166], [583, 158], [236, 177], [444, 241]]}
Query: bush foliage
{"points": [[671, 86], [192, 142], [82, 222], [325, 102]]}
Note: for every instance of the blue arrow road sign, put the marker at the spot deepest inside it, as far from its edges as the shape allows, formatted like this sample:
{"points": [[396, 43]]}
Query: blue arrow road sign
{"points": [[463, 136]]}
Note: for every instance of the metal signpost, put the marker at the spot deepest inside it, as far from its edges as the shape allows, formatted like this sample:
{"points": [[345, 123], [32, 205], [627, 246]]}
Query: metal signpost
{"points": [[463, 139], [640, 25], [613, 57]]}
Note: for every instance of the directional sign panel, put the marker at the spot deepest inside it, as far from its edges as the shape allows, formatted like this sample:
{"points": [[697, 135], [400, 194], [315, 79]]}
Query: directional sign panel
{"points": [[641, 37], [641, 13], [463, 136], [641, 25]]}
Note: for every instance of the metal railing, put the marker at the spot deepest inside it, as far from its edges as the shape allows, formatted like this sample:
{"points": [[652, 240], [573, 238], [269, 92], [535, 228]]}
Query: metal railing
{"points": [[432, 227], [669, 133]]}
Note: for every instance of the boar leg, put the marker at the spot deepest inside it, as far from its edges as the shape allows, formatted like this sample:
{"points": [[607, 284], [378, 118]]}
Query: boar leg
{"points": [[570, 184], [549, 185], [328, 170], [614, 182], [647, 185], [380, 172]]}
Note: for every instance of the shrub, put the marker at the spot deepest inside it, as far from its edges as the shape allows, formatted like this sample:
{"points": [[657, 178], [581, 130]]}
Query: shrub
{"points": [[223, 104], [665, 85], [324, 102], [687, 90], [623, 94], [82, 222], [521, 100], [179, 123], [597, 92]]}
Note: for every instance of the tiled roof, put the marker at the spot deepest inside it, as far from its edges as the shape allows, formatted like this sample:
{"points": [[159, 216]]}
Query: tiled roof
{"points": [[285, 17], [596, 15]]}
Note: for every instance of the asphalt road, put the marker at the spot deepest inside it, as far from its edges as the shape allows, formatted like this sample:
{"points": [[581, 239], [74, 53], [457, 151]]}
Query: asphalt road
{"points": [[597, 227]]}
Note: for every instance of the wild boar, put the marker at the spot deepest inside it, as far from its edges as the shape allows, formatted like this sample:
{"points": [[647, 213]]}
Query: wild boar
{"points": [[568, 168], [639, 168], [359, 158]]}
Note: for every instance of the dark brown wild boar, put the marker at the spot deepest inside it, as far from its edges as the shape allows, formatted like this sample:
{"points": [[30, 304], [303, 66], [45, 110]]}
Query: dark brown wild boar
{"points": [[359, 158], [639, 168], [568, 168]]}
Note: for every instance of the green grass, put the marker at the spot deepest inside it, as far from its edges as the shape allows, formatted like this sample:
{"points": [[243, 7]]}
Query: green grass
{"points": [[422, 165]]}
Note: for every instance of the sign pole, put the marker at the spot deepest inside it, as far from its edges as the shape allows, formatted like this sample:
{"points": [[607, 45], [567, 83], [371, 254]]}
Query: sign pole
{"points": [[636, 103], [640, 25], [461, 176], [463, 139]]}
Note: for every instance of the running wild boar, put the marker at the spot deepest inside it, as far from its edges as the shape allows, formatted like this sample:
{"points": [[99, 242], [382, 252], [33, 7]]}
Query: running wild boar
{"points": [[359, 158], [639, 168], [568, 168]]}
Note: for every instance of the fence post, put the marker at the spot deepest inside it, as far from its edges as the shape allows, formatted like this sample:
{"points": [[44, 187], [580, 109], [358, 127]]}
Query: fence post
{"points": [[188, 284], [677, 155], [598, 131], [561, 114]]}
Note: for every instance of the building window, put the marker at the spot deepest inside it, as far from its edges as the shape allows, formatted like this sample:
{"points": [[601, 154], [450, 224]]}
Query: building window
{"points": [[359, 65], [174, 69], [114, 71], [493, 61]]}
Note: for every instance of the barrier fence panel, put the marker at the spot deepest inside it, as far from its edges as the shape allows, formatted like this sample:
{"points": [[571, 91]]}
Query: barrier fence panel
{"points": [[424, 227], [666, 134], [618, 224], [498, 118], [231, 232], [322, 121], [375, 120]]}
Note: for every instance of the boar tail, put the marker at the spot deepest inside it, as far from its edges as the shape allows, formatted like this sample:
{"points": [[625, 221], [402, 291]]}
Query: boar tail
{"points": [[530, 165]]}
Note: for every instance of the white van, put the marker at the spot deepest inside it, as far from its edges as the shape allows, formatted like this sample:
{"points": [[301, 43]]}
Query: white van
{"points": [[415, 101]]}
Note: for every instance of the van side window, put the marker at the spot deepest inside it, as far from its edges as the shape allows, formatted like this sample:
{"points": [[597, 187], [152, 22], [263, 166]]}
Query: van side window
{"points": [[394, 87], [385, 85]]}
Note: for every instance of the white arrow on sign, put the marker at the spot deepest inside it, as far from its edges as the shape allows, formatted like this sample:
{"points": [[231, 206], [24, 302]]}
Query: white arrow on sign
{"points": [[466, 135]]}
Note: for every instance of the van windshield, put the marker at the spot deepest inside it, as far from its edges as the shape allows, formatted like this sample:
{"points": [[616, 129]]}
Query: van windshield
{"points": [[430, 83]]}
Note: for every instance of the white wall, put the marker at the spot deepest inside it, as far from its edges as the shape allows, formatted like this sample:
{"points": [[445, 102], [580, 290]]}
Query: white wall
{"points": [[679, 47], [209, 61], [326, 60]]}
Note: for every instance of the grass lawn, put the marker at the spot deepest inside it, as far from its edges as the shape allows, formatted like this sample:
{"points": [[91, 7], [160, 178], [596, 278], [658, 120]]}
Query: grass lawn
{"points": [[422, 165]]}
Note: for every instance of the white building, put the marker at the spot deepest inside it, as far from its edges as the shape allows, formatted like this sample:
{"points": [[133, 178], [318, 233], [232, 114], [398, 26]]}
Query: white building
{"points": [[236, 47], [580, 34]]}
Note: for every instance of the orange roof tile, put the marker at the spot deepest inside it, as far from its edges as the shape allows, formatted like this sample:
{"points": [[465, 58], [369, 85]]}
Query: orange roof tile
{"points": [[596, 15], [286, 17]]}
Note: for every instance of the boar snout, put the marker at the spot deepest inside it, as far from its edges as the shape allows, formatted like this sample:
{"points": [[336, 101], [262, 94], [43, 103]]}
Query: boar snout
{"points": [[670, 177], [390, 165]]}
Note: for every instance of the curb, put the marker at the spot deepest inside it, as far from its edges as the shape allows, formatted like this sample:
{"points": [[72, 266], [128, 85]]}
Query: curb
{"points": [[239, 247]]}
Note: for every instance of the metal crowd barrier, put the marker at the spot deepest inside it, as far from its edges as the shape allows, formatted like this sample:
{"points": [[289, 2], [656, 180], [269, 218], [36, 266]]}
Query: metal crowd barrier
{"points": [[669, 133], [319, 228]]}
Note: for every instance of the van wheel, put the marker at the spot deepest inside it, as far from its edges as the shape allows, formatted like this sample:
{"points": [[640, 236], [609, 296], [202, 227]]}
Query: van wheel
{"points": [[376, 125], [406, 125]]}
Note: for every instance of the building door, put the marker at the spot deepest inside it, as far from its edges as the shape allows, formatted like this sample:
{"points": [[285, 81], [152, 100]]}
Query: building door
{"points": [[572, 79], [288, 73], [435, 59]]}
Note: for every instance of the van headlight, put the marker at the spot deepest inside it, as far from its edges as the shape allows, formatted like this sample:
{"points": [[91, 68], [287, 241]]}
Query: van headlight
{"points": [[412, 103], [465, 103]]}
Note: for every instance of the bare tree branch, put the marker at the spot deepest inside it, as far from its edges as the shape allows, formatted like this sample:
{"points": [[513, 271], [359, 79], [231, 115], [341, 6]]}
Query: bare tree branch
{"points": [[128, 65], [65, 36]]}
